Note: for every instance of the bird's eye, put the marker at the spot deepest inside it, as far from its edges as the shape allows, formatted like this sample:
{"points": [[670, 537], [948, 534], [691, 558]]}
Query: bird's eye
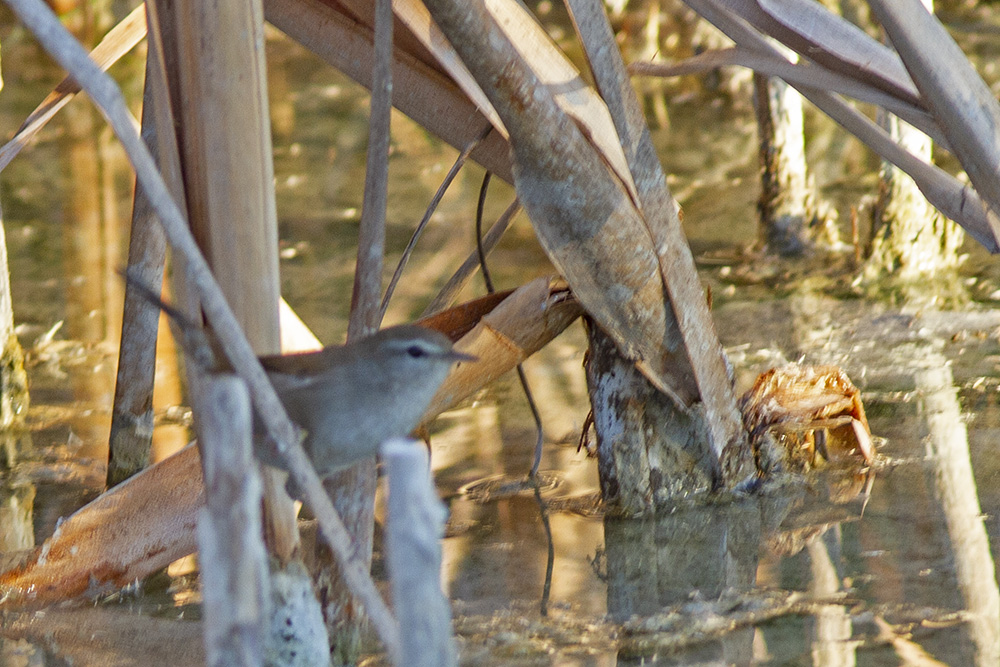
{"points": [[416, 351]]}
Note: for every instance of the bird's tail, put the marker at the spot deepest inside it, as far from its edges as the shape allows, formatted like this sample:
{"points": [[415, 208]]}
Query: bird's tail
{"points": [[198, 343]]}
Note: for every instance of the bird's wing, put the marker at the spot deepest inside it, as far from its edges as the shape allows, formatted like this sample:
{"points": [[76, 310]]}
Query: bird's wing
{"points": [[296, 371], [302, 363]]}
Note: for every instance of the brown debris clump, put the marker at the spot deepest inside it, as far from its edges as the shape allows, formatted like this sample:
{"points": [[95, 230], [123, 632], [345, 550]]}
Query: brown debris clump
{"points": [[800, 416]]}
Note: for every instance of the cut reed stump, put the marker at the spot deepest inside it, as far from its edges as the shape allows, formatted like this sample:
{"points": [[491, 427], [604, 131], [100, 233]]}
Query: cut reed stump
{"points": [[798, 418], [415, 530], [232, 558], [648, 450]]}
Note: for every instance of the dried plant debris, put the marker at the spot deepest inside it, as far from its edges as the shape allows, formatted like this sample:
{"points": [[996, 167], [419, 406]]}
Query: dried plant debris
{"points": [[801, 416], [520, 637], [497, 487], [57, 357]]}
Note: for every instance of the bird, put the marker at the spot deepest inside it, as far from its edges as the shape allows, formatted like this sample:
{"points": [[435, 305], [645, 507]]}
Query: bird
{"points": [[351, 398], [348, 399]]}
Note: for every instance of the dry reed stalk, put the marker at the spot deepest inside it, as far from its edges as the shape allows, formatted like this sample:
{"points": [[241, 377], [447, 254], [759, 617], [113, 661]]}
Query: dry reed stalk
{"points": [[801, 73], [458, 280], [228, 174], [661, 216], [106, 95], [421, 91], [235, 585], [959, 202], [413, 545], [353, 490], [365, 312], [130, 440], [431, 207]]}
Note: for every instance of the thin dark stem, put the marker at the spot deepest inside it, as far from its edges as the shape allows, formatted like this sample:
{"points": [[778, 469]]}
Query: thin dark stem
{"points": [[435, 201], [480, 205], [455, 284], [543, 510], [539, 431]]}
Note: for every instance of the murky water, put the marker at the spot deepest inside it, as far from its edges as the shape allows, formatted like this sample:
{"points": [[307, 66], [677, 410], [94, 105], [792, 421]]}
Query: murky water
{"points": [[820, 575]]}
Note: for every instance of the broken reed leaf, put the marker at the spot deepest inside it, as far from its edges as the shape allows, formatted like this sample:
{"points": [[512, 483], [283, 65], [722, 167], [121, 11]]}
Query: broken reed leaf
{"points": [[834, 42], [851, 84], [954, 199], [417, 20], [459, 320], [582, 212], [423, 92], [957, 96]]}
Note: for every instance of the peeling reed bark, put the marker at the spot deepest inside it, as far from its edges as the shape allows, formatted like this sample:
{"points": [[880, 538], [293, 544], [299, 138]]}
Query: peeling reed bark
{"points": [[647, 451]]}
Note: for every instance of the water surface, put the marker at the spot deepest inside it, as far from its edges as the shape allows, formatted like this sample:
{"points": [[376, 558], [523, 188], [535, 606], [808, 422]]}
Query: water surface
{"points": [[821, 574]]}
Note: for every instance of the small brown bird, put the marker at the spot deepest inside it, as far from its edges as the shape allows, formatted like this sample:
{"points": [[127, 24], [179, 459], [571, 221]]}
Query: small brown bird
{"points": [[352, 398], [348, 398]]}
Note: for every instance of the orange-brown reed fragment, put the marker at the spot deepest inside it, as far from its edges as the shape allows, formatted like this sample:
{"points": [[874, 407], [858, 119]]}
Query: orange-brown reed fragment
{"points": [[815, 413]]}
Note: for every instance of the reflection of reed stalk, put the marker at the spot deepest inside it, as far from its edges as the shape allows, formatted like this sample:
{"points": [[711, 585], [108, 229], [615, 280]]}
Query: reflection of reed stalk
{"points": [[831, 638], [955, 487]]}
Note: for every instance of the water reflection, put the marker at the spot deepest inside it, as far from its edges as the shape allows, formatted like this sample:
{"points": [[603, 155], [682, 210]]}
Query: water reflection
{"points": [[695, 554], [894, 553], [923, 531], [86, 270], [832, 625], [497, 550], [17, 531], [699, 551], [955, 489]]}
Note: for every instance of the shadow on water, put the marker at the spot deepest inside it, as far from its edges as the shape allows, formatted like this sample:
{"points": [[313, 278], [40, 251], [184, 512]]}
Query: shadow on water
{"points": [[830, 572]]}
